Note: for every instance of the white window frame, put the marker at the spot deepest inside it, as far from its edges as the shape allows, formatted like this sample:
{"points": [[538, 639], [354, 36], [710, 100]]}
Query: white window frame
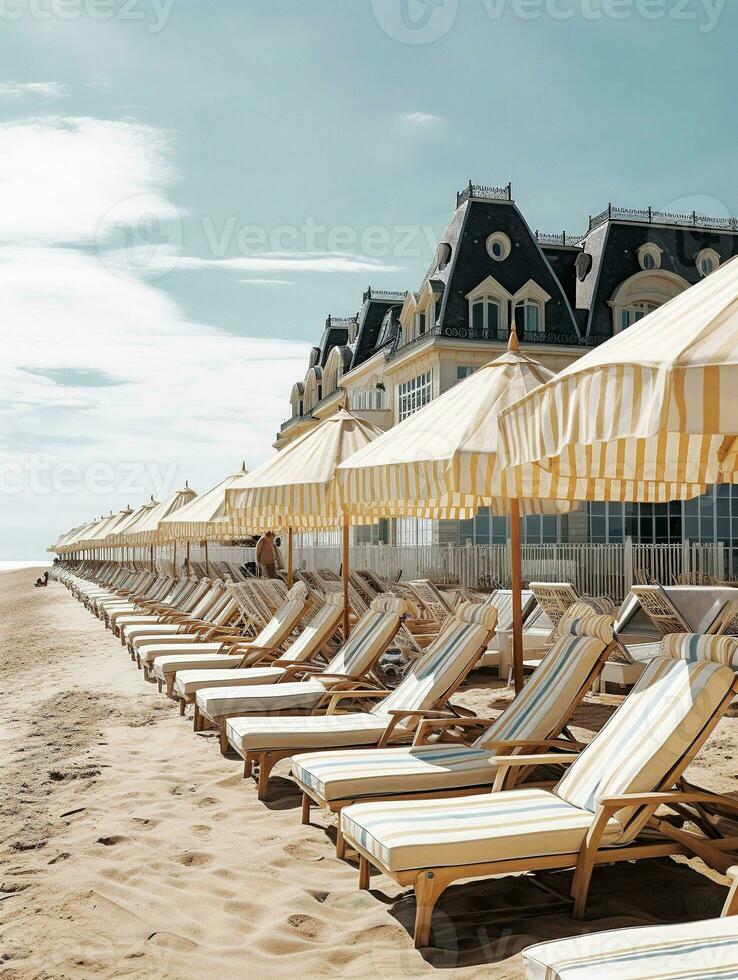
{"points": [[707, 254], [498, 238], [532, 294], [490, 290], [413, 394], [650, 251]]}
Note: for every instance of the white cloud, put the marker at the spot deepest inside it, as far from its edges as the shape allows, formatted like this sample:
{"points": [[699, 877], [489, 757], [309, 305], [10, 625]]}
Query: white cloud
{"points": [[72, 179], [268, 282], [189, 401], [44, 90], [422, 118]]}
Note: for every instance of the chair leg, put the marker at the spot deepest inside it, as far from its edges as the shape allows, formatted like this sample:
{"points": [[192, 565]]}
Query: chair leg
{"points": [[197, 720], [223, 738], [363, 873], [305, 811], [340, 841], [182, 706], [266, 764], [580, 883], [427, 892]]}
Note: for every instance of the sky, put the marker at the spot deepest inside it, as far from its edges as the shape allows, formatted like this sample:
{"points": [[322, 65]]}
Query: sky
{"points": [[188, 189]]}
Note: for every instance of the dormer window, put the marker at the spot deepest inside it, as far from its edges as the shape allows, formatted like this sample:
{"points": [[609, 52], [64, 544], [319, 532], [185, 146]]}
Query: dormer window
{"points": [[486, 315], [443, 256], [529, 306], [707, 261], [421, 323], [488, 310], [498, 246], [649, 257], [528, 316]]}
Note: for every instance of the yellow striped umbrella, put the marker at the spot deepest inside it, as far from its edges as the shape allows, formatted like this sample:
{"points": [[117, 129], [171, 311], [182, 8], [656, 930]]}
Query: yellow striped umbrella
{"points": [[441, 462], [650, 415], [298, 490], [204, 517], [101, 537]]}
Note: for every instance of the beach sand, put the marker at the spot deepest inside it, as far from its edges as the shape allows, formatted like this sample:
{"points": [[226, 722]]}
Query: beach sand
{"points": [[131, 847]]}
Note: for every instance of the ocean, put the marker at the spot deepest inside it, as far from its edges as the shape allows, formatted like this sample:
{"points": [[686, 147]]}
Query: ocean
{"points": [[12, 566]]}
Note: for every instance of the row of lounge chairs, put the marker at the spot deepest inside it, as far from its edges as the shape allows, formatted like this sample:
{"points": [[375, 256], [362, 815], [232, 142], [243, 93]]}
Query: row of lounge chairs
{"points": [[425, 793]]}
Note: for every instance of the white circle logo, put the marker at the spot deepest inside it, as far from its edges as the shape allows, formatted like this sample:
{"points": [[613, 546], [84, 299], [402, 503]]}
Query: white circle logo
{"points": [[415, 21], [140, 237]]}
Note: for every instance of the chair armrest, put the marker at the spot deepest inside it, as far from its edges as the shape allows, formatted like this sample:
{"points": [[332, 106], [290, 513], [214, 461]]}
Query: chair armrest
{"points": [[544, 758], [656, 799], [427, 726], [545, 743], [337, 696]]}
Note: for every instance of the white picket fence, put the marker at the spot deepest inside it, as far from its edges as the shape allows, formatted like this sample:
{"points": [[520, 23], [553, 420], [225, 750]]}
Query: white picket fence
{"points": [[593, 569]]}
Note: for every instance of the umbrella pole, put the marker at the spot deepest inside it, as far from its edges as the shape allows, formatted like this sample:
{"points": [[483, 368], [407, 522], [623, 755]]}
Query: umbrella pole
{"points": [[517, 598], [174, 559], [207, 560], [290, 575], [345, 577], [188, 558], [151, 558]]}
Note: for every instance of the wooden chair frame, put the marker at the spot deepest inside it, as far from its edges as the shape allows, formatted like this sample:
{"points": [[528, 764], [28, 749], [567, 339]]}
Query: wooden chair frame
{"points": [[435, 720], [429, 883], [263, 761]]}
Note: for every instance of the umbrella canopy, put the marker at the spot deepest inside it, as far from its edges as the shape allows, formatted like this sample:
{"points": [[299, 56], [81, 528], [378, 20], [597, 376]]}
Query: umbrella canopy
{"points": [[75, 542], [65, 538], [146, 529], [441, 462], [98, 538], [116, 538], [203, 518], [298, 488], [656, 404]]}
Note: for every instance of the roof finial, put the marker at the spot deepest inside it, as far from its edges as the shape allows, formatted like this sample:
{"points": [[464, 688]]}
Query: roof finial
{"points": [[187, 484], [243, 466], [512, 340]]}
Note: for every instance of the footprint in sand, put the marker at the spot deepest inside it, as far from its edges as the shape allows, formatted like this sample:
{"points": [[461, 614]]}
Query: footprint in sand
{"points": [[307, 925], [145, 823], [112, 840], [201, 829], [207, 801], [303, 851], [168, 940], [192, 859]]}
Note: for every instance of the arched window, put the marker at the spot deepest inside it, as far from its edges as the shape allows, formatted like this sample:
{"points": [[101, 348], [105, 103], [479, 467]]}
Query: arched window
{"points": [[489, 304]]}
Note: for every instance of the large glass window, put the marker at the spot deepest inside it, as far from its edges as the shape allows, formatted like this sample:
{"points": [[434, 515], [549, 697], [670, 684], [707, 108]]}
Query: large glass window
{"points": [[414, 394]]}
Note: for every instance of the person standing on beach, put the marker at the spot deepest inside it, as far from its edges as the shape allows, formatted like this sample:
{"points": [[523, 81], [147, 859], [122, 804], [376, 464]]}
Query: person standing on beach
{"points": [[267, 555]]}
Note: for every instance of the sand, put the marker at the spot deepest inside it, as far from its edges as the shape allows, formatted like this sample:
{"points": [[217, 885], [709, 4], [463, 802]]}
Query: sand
{"points": [[131, 847]]}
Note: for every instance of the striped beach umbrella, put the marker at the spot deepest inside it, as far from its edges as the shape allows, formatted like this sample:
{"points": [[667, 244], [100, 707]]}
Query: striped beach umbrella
{"points": [[650, 415]]}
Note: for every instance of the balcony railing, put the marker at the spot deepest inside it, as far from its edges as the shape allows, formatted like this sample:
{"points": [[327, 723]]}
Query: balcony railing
{"points": [[386, 295], [650, 216], [484, 193], [563, 239]]}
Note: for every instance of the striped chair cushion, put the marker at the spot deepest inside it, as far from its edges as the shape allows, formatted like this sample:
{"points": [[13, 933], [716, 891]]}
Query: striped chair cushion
{"points": [[647, 735], [153, 651], [537, 712], [370, 637], [163, 666], [582, 620], [188, 682], [545, 702], [285, 619], [688, 951], [363, 773], [502, 601], [445, 662], [414, 834], [317, 632], [262, 698], [699, 646], [303, 731]]}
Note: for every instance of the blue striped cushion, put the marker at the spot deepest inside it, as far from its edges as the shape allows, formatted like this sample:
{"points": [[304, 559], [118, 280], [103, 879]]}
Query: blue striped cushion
{"points": [[701, 646]]}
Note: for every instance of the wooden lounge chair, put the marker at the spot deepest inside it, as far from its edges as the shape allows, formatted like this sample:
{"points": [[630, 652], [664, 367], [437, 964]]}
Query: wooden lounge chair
{"points": [[659, 608], [303, 687], [166, 660], [431, 681], [688, 951], [596, 814], [265, 664], [455, 764], [197, 607], [224, 617]]}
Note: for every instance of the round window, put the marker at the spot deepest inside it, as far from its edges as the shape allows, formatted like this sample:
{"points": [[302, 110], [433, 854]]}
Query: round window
{"points": [[649, 262], [498, 246], [707, 261]]}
